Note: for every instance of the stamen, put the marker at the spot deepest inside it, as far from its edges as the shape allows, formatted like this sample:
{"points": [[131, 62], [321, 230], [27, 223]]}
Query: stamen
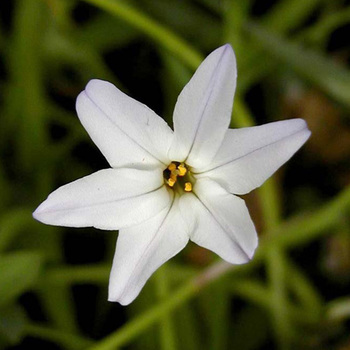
{"points": [[172, 166], [173, 177], [171, 182], [178, 176], [174, 173], [182, 169], [188, 187]]}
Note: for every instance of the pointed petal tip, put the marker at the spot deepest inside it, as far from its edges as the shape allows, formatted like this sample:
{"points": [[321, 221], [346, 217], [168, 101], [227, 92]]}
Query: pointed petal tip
{"points": [[302, 126], [80, 100], [300, 122], [245, 257], [250, 253], [40, 214], [228, 46], [123, 300], [113, 299], [248, 257], [97, 84], [226, 49], [92, 86], [37, 213], [253, 251]]}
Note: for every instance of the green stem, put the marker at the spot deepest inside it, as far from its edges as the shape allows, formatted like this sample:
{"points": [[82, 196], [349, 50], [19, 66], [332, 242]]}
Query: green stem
{"points": [[157, 32], [269, 199], [298, 232], [278, 301], [27, 85], [11, 224], [252, 291], [142, 322], [307, 227], [322, 29], [256, 293], [167, 336], [289, 14], [67, 340], [236, 12], [333, 78], [79, 274], [304, 291]]}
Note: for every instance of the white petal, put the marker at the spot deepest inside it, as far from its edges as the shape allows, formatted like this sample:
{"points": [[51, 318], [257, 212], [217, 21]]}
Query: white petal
{"points": [[219, 221], [142, 249], [108, 199], [126, 131], [203, 109], [249, 156]]}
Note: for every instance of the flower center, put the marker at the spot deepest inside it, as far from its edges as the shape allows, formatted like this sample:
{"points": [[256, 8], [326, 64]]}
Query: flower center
{"points": [[178, 177]]}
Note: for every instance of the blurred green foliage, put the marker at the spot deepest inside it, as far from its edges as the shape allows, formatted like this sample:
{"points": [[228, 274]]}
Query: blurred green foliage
{"points": [[293, 60]]}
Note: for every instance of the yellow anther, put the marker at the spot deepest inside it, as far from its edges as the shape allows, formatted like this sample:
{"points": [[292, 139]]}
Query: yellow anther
{"points": [[172, 166], [182, 169], [171, 182], [188, 187]]}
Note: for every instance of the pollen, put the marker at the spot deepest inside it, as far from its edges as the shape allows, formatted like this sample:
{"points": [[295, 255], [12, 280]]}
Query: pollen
{"points": [[182, 169], [188, 187], [171, 182], [172, 166], [178, 177], [173, 176]]}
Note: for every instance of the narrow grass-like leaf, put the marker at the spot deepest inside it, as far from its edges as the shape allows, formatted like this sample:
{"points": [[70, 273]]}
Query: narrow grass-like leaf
{"points": [[320, 70], [11, 223], [104, 33], [186, 19], [26, 103], [19, 273], [288, 14], [322, 29], [157, 32], [12, 323], [162, 288]]}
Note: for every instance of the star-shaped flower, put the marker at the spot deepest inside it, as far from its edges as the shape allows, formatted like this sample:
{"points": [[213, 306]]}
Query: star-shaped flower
{"points": [[165, 187]]}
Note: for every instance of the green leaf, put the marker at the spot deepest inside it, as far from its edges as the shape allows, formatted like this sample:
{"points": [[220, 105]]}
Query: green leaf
{"points": [[105, 33], [148, 26], [11, 223], [217, 314], [289, 14], [317, 68], [12, 324], [19, 273], [186, 19]]}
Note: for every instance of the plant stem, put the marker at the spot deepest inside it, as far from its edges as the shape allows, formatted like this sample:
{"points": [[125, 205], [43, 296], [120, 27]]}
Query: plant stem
{"points": [[69, 341], [159, 33]]}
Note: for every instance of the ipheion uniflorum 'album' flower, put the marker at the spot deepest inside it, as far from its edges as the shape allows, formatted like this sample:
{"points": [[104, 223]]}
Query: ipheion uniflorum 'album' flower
{"points": [[165, 187]]}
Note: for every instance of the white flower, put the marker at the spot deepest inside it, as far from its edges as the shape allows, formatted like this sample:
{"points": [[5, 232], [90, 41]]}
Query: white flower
{"points": [[165, 187]]}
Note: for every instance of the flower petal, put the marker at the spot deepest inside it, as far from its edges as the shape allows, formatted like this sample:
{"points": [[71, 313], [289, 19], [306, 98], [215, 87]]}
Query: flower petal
{"points": [[126, 131], [203, 109], [142, 249], [108, 199], [249, 156], [219, 221]]}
